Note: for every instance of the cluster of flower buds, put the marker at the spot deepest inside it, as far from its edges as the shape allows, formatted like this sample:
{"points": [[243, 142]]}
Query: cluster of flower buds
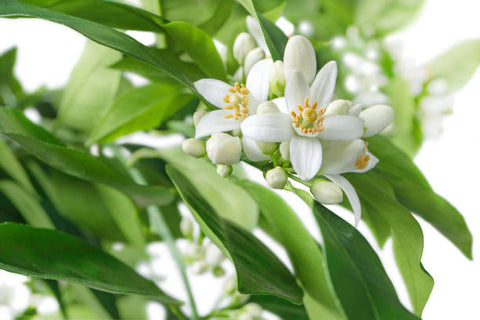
{"points": [[201, 256], [285, 121]]}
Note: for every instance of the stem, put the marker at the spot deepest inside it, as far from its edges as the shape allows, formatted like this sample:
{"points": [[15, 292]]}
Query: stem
{"points": [[159, 226]]}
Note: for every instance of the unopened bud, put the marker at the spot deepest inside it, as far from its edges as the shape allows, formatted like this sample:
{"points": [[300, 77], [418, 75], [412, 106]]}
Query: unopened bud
{"points": [[376, 118], [194, 251], [277, 78], [253, 57], [239, 299], [224, 170], [267, 107], [266, 147], [218, 271], [276, 178], [327, 192], [224, 149], [244, 43], [300, 55], [197, 115], [194, 147], [285, 150], [253, 309], [199, 267], [213, 255], [186, 227], [338, 107]]}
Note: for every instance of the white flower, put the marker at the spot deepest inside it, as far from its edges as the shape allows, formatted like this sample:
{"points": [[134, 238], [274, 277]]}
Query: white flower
{"points": [[376, 118], [213, 255], [236, 102], [224, 149]]}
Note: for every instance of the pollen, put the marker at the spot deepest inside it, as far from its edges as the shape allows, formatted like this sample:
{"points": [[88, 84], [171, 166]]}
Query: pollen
{"points": [[309, 119], [237, 101], [362, 161]]}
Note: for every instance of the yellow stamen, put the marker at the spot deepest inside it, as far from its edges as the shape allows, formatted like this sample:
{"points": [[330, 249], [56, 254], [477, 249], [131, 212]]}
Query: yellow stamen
{"points": [[237, 101], [309, 120], [362, 161]]}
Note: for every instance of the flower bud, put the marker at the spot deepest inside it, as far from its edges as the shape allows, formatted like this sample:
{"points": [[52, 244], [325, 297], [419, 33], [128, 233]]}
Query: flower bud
{"points": [[244, 43], [438, 87], [239, 299], [299, 54], [376, 119], [230, 285], [277, 78], [197, 115], [224, 171], [213, 255], [224, 149], [253, 57], [267, 107], [338, 107], [218, 271], [285, 150], [194, 251], [194, 147], [266, 147], [199, 267], [186, 227], [327, 192], [276, 178], [253, 309]]}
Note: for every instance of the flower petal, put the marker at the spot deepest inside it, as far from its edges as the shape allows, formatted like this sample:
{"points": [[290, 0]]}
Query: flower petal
{"points": [[340, 127], [281, 104], [324, 84], [340, 157], [300, 55], [252, 151], [258, 80], [351, 194], [296, 90], [214, 122], [306, 156], [213, 91], [256, 31], [268, 127], [371, 163]]}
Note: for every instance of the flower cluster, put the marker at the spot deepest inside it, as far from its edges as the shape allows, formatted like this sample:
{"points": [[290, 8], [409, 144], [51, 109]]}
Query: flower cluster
{"points": [[286, 120]]}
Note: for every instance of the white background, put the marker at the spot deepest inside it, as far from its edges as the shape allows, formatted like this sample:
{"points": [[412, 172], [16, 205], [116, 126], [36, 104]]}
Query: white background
{"points": [[451, 163]]}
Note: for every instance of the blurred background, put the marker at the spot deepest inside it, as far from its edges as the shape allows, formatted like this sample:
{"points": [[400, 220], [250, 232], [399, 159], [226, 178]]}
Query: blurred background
{"points": [[47, 53]]}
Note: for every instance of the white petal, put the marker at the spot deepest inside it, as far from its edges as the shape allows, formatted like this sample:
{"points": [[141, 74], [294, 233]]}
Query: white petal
{"points": [[252, 151], [342, 128], [214, 122], [324, 84], [376, 118], [213, 90], [300, 55], [258, 80], [268, 127], [371, 163], [341, 157], [256, 31], [306, 156], [355, 110], [351, 194], [281, 104], [296, 90]]}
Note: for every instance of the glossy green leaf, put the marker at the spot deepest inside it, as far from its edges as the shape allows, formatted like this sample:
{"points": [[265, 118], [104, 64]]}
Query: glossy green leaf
{"points": [[50, 254], [407, 236], [138, 109], [91, 89], [304, 253], [259, 271], [199, 46], [414, 192], [10, 164], [9, 86], [457, 65], [358, 277], [74, 162], [114, 14], [195, 12], [280, 307]]}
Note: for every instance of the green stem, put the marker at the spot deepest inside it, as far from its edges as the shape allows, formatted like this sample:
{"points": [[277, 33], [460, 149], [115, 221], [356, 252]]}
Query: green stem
{"points": [[160, 226]]}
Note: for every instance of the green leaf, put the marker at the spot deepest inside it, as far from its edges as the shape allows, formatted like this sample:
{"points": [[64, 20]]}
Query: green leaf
{"points": [[407, 236], [259, 271], [110, 13], [91, 89], [358, 277], [457, 65], [280, 307], [10, 164], [73, 162], [195, 12], [10, 89], [199, 46], [414, 192], [50, 254], [140, 108], [304, 253]]}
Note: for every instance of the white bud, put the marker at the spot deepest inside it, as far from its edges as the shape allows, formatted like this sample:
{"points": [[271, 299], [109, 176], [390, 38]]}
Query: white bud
{"points": [[238, 75], [224, 149], [186, 227], [355, 110], [267, 107], [376, 118], [253, 57], [238, 298], [246, 316], [244, 43], [224, 170], [253, 309], [276, 178], [327, 192], [194, 147], [199, 267], [338, 107], [285, 150], [197, 115], [213, 255], [194, 251], [266, 147], [438, 87], [277, 78], [299, 54]]}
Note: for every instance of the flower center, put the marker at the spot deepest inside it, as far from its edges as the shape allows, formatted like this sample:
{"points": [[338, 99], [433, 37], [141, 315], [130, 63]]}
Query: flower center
{"points": [[237, 101], [309, 119], [362, 161]]}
